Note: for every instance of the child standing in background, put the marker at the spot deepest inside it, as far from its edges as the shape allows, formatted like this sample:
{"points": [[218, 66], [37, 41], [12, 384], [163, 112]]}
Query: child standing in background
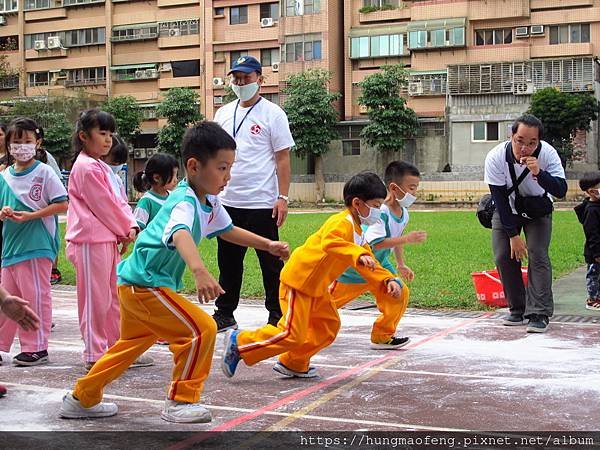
{"points": [[98, 219], [31, 195], [158, 178], [115, 159]]}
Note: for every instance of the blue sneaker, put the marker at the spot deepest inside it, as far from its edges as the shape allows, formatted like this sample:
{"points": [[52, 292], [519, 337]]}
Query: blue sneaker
{"points": [[231, 355]]}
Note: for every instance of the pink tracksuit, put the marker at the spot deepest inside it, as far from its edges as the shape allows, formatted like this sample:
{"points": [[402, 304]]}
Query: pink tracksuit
{"points": [[97, 216]]}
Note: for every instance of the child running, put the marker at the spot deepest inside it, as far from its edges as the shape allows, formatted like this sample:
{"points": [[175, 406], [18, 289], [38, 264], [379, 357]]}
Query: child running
{"points": [[158, 178], [150, 277], [98, 219], [402, 181], [30, 196], [310, 320]]}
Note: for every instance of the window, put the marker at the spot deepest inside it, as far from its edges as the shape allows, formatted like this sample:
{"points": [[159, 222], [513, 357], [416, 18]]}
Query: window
{"points": [[39, 78], [484, 131], [273, 97], [36, 4], [9, 43], [71, 38], [269, 56], [86, 76], [440, 37], [376, 46], [80, 2], [570, 34], [187, 68], [302, 7], [178, 28], [380, 3], [269, 10], [8, 5], [493, 37], [417, 39], [303, 48], [238, 15], [219, 12], [234, 56], [351, 147], [148, 112], [132, 34]]}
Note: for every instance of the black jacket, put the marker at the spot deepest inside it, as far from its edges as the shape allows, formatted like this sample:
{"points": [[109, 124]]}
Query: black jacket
{"points": [[588, 214]]}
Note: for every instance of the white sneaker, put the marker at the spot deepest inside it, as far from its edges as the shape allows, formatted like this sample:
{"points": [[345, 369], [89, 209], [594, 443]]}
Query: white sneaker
{"points": [[142, 361], [179, 412], [283, 370], [72, 409]]}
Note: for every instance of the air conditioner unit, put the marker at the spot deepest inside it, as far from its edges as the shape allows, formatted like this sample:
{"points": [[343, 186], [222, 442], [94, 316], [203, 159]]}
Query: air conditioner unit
{"points": [[150, 152], [275, 67], [39, 45], [266, 22], [362, 109], [174, 32], [524, 88], [151, 73], [415, 88], [218, 100], [218, 81], [2, 20], [139, 74], [54, 42], [536, 30], [139, 153], [165, 67], [521, 32]]}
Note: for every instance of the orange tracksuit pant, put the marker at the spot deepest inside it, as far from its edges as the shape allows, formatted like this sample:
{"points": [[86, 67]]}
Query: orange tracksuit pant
{"points": [[148, 314], [391, 309], [308, 325]]}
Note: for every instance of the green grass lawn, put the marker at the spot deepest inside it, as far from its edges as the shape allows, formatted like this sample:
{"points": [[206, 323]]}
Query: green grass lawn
{"points": [[456, 246]]}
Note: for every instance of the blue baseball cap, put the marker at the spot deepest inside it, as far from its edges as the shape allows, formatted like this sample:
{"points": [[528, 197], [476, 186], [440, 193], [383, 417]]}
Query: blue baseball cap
{"points": [[246, 64]]}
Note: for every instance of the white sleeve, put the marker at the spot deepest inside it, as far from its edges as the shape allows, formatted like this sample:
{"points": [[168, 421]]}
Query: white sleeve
{"points": [[554, 166], [182, 217], [376, 233], [55, 190], [495, 169], [219, 222], [281, 136]]}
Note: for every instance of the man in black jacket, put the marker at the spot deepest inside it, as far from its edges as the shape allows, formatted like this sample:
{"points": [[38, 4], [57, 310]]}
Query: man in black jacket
{"points": [[588, 214], [537, 170]]}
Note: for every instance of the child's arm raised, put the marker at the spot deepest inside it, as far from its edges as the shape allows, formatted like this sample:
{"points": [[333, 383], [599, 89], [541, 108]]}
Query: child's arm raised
{"points": [[206, 286], [245, 238], [414, 237]]}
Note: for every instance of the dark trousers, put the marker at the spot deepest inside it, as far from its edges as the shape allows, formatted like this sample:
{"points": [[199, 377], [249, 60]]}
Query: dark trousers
{"points": [[592, 279], [231, 262], [537, 297]]}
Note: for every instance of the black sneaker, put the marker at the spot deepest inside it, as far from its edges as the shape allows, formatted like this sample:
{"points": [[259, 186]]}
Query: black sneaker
{"points": [[391, 344], [224, 323], [31, 358], [538, 323], [55, 276], [514, 319]]}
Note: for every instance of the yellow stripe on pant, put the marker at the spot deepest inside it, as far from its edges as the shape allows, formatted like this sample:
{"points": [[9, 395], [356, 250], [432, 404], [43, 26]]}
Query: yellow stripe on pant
{"points": [[308, 324], [148, 314], [392, 309]]}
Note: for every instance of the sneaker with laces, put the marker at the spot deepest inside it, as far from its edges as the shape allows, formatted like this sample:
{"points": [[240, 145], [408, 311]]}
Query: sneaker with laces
{"points": [[55, 276], [538, 323], [162, 342], [224, 323], [391, 344], [179, 412], [142, 361], [592, 304], [283, 370], [71, 408], [514, 319], [31, 358], [1, 361], [89, 365], [231, 355]]}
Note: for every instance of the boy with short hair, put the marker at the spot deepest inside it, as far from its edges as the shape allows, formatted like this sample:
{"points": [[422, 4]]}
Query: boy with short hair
{"points": [[150, 278], [588, 214], [310, 320], [402, 181]]}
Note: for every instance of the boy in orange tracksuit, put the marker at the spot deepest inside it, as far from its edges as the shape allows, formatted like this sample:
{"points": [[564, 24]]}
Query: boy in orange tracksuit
{"points": [[310, 320]]}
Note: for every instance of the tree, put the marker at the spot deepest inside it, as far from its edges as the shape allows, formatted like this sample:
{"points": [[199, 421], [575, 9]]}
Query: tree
{"points": [[181, 108], [127, 114], [562, 114], [229, 95], [391, 122], [57, 134], [312, 117]]}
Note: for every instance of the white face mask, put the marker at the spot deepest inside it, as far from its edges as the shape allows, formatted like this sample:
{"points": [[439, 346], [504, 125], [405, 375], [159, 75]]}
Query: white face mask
{"points": [[245, 92], [373, 217], [407, 200], [23, 152], [116, 168]]}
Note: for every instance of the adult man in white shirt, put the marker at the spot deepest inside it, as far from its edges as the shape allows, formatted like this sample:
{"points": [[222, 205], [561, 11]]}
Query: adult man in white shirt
{"points": [[256, 197], [537, 164]]}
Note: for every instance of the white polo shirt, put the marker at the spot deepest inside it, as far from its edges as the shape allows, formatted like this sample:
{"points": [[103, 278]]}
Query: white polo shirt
{"points": [[497, 173], [264, 131]]}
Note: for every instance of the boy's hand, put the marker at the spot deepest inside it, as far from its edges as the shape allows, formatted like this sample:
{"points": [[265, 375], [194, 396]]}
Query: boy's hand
{"points": [[18, 310], [367, 261], [415, 237], [394, 289], [406, 272], [129, 238], [123, 250], [207, 287], [21, 216], [6, 212], [279, 248]]}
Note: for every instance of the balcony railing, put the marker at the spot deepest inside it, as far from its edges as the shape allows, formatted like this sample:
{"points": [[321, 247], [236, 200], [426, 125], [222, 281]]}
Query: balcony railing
{"points": [[85, 82], [136, 37]]}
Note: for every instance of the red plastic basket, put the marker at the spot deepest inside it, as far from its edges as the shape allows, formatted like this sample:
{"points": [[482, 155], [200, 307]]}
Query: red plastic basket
{"points": [[489, 288]]}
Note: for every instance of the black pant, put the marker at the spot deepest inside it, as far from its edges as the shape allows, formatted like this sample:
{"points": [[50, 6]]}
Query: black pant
{"points": [[231, 262]]}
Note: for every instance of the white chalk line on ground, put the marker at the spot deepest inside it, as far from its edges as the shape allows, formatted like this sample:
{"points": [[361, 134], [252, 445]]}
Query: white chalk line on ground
{"points": [[404, 426]]}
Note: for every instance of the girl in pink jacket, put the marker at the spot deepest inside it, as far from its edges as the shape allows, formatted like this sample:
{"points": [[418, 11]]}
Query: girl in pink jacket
{"points": [[97, 220]]}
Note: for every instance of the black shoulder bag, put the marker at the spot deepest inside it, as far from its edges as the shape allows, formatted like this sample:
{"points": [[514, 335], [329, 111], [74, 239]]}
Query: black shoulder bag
{"points": [[486, 206], [529, 207]]}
